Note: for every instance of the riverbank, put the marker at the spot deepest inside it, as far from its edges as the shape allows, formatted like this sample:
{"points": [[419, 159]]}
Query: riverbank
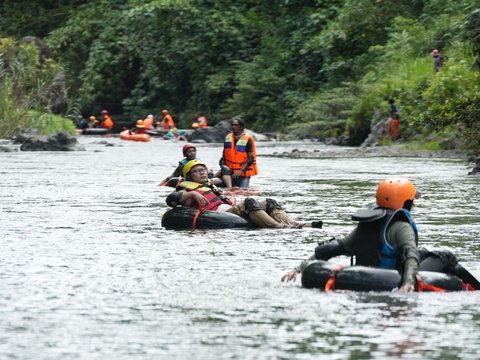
{"points": [[395, 150]]}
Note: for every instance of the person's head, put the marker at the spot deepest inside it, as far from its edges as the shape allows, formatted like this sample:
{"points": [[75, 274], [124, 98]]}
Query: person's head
{"points": [[238, 125], [150, 116], [104, 112], [396, 193], [195, 125], [189, 151], [435, 53], [92, 118], [195, 170], [391, 101], [165, 112], [140, 124]]}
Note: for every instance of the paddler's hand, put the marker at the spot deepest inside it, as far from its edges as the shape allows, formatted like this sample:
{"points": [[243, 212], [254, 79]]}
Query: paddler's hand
{"points": [[237, 174], [407, 288], [290, 276]]}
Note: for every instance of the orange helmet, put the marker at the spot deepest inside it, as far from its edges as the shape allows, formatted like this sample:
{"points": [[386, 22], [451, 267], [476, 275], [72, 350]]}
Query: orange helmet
{"points": [[195, 125], [140, 124], [392, 193]]}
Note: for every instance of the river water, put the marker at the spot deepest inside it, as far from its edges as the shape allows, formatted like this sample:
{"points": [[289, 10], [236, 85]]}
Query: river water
{"points": [[88, 272]]}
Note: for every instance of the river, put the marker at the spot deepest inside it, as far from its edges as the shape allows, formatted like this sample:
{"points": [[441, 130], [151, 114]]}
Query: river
{"points": [[88, 272]]}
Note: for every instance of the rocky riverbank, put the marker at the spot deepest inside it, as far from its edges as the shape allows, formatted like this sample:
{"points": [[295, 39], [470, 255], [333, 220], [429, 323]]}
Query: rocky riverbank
{"points": [[395, 150]]}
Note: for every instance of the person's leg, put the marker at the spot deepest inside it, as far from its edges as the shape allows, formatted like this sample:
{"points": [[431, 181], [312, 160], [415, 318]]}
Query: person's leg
{"points": [[446, 262], [276, 211], [227, 181], [257, 215], [241, 181]]}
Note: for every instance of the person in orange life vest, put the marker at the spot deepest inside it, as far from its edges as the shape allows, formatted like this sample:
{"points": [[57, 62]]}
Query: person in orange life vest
{"points": [[148, 121], [387, 237], [201, 121], [394, 126], [197, 191], [239, 154], [139, 128], [107, 120], [167, 122]]}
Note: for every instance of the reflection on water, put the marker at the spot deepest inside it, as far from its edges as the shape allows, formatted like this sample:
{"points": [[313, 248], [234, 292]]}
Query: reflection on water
{"points": [[88, 271]]}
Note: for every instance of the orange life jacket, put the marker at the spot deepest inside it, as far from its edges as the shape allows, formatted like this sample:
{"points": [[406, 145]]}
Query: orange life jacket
{"points": [[168, 122], [202, 120], [148, 122], [211, 193], [236, 155], [108, 122]]}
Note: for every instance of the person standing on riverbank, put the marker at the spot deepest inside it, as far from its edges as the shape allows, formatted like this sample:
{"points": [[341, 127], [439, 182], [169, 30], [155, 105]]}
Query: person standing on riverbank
{"points": [[239, 154], [437, 60]]}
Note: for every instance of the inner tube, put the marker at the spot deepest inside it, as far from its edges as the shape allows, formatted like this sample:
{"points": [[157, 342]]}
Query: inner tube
{"points": [[94, 131], [183, 218], [125, 135], [156, 132], [325, 275]]}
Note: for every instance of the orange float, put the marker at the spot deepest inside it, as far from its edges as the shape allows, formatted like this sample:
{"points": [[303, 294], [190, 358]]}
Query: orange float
{"points": [[126, 135]]}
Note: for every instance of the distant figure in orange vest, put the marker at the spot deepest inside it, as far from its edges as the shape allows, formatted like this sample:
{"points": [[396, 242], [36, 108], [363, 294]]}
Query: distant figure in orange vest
{"points": [[394, 126], [107, 120], [148, 122], [201, 121], [239, 154], [167, 122]]}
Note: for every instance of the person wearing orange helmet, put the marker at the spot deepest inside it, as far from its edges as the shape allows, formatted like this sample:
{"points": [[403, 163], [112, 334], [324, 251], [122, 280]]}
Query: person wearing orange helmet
{"points": [[386, 237]]}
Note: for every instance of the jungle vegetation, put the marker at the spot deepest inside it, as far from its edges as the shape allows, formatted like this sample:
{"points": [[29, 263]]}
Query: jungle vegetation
{"points": [[309, 68]]}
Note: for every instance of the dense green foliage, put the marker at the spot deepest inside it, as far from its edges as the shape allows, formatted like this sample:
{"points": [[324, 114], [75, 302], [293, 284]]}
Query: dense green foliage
{"points": [[314, 68], [27, 90]]}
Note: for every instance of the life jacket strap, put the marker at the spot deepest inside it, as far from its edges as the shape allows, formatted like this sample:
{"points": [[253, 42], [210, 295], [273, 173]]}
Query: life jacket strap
{"points": [[468, 287], [330, 285], [195, 218], [427, 287]]}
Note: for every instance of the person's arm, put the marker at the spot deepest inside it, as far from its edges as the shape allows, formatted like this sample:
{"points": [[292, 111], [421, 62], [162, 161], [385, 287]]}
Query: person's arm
{"points": [[401, 235], [292, 274], [186, 198], [324, 251]]}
